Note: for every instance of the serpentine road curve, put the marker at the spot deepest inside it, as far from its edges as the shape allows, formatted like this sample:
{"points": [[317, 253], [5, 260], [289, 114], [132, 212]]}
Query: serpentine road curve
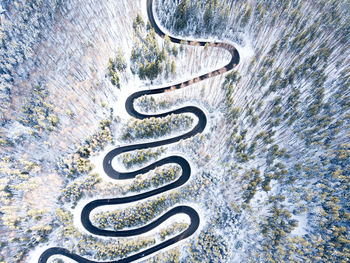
{"points": [[186, 169]]}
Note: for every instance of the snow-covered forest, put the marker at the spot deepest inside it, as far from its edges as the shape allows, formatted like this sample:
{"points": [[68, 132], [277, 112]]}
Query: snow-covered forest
{"points": [[270, 173]]}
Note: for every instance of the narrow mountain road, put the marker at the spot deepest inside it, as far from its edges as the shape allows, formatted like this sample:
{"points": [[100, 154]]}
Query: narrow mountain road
{"points": [[186, 168]]}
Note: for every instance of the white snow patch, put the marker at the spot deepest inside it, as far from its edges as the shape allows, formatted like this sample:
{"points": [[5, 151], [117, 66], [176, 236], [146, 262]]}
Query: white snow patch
{"points": [[246, 52], [301, 229]]}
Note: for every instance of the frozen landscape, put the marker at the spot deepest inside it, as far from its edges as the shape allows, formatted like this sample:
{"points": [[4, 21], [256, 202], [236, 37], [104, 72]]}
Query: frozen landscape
{"points": [[174, 131]]}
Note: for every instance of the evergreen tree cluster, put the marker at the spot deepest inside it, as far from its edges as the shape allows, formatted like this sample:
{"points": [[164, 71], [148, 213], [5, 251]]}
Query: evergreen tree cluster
{"points": [[150, 58]]}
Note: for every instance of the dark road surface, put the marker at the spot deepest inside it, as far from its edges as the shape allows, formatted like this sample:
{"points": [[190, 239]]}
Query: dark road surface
{"points": [[186, 169]]}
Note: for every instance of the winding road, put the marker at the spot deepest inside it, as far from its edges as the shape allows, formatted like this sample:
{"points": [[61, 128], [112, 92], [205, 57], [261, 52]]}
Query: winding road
{"points": [[186, 168]]}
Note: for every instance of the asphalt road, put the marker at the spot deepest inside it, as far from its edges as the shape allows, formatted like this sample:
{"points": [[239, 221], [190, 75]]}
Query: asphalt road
{"points": [[186, 169]]}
